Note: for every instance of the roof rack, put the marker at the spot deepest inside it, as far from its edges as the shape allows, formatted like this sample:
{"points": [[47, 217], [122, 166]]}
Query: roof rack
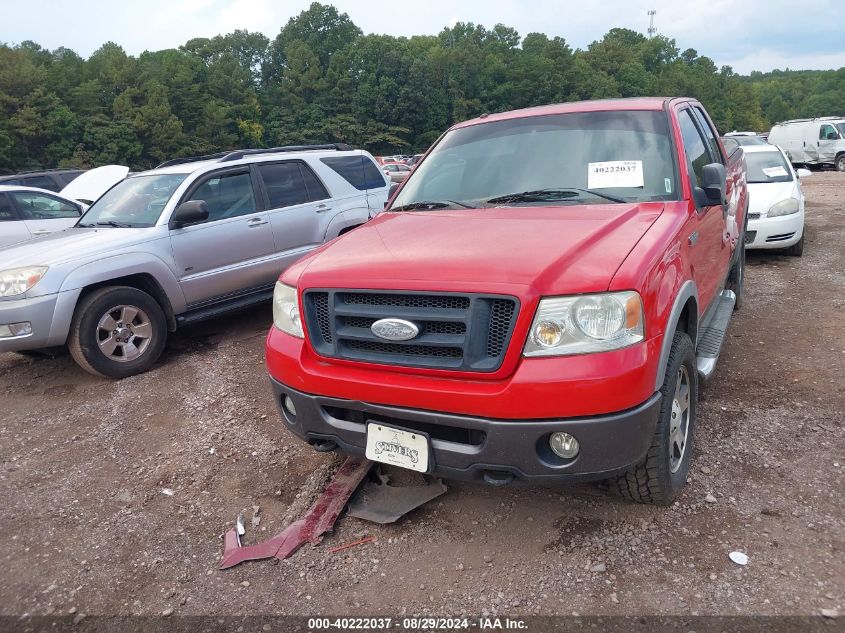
{"points": [[38, 171], [818, 118], [225, 157]]}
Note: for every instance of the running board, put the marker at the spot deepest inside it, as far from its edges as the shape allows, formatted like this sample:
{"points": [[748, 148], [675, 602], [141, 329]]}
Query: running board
{"points": [[713, 334]]}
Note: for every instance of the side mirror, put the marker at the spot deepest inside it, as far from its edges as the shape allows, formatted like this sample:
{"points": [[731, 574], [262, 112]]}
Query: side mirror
{"points": [[714, 184], [393, 189], [189, 212], [803, 173]]}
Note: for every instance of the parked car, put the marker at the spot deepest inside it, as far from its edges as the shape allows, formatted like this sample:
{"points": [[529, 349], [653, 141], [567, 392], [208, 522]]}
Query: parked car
{"points": [[27, 212], [537, 302], [397, 172], [415, 159], [189, 240], [807, 142], [50, 179], [745, 138], [776, 208]]}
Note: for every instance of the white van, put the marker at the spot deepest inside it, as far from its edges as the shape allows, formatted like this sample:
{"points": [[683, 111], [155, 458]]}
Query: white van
{"points": [[818, 141]]}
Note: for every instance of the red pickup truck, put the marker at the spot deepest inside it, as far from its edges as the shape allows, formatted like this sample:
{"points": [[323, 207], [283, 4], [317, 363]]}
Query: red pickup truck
{"points": [[538, 301]]}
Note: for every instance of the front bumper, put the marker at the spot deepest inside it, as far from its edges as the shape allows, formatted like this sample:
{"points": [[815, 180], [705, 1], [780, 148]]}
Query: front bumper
{"points": [[778, 232], [38, 311], [474, 448]]}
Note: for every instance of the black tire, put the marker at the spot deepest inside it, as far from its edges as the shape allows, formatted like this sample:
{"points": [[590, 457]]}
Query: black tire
{"points": [[89, 340], [840, 162], [797, 249], [652, 481]]}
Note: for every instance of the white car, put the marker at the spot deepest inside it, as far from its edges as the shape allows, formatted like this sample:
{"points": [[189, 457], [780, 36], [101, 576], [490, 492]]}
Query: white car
{"points": [[27, 212], [776, 201]]}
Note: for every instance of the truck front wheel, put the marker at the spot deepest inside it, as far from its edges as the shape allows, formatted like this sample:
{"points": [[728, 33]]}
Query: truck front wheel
{"points": [[117, 332], [661, 476]]}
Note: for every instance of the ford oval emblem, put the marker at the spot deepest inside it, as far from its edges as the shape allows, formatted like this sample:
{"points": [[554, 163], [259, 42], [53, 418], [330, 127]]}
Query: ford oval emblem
{"points": [[394, 329]]}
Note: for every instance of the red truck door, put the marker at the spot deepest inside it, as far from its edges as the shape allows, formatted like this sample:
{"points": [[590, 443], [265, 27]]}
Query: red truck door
{"points": [[708, 239]]}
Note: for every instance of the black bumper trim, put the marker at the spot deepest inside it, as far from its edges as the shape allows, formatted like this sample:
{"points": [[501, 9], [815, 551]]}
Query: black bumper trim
{"points": [[609, 443]]}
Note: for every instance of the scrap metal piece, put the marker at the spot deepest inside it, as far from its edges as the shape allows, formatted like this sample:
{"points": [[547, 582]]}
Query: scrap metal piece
{"points": [[382, 503], [319, 519]]}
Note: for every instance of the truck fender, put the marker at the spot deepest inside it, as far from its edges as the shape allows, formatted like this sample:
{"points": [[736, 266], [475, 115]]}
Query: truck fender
{"points": [[124, 265], [347, 219], [687, 291]]}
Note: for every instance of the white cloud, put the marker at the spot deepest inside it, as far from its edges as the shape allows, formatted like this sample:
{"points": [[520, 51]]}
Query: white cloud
{"points": [[766, 60]]}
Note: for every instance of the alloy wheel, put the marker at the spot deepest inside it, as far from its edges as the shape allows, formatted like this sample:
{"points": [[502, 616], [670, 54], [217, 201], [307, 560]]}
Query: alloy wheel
{"points": [[124, 333]]}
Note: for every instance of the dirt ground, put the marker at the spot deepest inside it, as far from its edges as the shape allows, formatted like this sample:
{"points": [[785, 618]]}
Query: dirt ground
{"points": [[86, 528]]}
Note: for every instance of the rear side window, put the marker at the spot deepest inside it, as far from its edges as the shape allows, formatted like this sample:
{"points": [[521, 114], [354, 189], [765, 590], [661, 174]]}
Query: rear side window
{"points": [[7, 211], [37, 206], [827, 132], [694, 146], [284, 184], [41, 182], [67, 177], [358, 171]]}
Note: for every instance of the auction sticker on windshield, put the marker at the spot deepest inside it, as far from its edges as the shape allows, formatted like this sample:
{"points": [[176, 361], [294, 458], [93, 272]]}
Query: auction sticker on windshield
{"points": [[397, 447], [615, 173]]}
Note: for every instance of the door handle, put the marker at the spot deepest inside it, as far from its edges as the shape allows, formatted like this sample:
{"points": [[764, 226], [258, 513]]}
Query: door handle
{"points": [[322, 208], [41, 232], [256, 222]]}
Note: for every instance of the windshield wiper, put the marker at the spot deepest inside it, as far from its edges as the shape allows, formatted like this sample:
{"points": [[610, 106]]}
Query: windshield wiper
{"points": [[431, 204], [543, 195], [116, 225]]}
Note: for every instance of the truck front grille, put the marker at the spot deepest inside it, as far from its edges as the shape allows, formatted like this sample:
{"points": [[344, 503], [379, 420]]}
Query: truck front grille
{"points": [[462, 332]]}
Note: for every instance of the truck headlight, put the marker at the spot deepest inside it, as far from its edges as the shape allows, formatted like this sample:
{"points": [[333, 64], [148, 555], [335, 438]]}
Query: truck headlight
{"points": [[784, 207], [17, 281], [286, 310], [583, 324]]}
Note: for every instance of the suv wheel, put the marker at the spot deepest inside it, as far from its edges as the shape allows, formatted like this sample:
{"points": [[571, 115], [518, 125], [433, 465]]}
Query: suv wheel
{"points": [[840, 162], [117, 332], [661, 476]]}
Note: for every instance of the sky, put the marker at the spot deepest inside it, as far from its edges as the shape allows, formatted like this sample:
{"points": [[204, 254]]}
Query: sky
{"points": [[745, 34]]}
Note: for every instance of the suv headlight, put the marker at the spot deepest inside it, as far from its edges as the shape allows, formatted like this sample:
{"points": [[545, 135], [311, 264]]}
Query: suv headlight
{"points": [[583, 324], [286, 310], [17, 281], [784, 207]]}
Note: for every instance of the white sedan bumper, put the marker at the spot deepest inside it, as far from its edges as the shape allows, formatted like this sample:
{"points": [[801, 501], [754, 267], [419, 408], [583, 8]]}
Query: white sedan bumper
{"points": [[778, 232]]}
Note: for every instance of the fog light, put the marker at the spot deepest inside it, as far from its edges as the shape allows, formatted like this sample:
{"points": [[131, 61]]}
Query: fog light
{"points": [[15, 329], [289, 406], [564, 445]]}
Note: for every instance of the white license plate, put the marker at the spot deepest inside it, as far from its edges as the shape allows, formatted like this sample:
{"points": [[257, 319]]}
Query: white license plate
{"points": [[397, 447]]}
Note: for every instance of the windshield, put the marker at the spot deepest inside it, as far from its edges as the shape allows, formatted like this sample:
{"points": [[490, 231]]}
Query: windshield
{"points": [[588, 158], [135, 202], [767, 167]]}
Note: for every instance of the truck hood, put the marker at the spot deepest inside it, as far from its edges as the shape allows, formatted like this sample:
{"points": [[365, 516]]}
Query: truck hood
{"points": [[566, 249], [70, 244]]}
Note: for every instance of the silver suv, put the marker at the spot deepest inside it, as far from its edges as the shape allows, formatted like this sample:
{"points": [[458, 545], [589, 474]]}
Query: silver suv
{"points": [[191, 239]]}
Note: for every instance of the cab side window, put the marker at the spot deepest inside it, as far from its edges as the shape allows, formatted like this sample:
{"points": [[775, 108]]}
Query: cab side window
{"points": [[227, 195], [697, 154], [709, 135]]}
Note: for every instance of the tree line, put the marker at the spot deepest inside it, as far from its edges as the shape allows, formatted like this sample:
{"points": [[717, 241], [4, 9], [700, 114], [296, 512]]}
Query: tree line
{"points": [[322, 80]]}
